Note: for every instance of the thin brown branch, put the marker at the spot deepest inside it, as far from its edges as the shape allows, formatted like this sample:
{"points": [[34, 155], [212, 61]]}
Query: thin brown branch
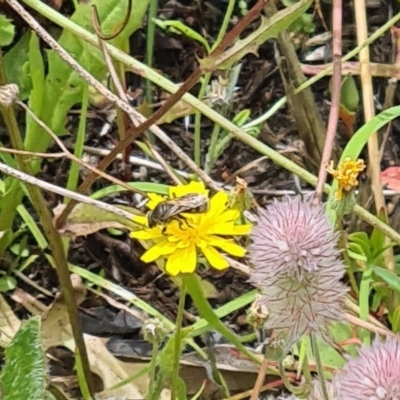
{"points": [[335, 103]]}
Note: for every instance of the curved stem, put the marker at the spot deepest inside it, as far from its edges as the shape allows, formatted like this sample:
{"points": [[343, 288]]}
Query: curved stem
{"points": [[320, 370], [178, 338]]}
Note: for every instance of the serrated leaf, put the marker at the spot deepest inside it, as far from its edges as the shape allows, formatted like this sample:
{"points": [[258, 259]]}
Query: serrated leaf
{"points": [[64, 87], [269, 28], [7, 31], [24, 372]]}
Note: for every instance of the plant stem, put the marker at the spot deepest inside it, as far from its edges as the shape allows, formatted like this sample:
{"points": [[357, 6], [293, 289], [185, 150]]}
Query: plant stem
{"points": [[206, 80], [53, 237], [178, 339], [151, 30], [197, 121], [320, 370], [153, 366], [211, 156]]}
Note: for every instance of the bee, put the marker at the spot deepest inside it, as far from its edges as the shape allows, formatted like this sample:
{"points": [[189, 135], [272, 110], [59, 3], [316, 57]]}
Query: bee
{"points": [[170, 209]]}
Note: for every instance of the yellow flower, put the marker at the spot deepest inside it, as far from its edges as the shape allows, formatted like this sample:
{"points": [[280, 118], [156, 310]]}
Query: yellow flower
{"points": [[180, 242], [346, 175]]}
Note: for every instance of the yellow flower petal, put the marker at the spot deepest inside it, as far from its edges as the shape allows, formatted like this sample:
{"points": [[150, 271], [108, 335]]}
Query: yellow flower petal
{"points": [[229, 246], [182, 261], [154, 200], [140, 219], [160, 249], [182, 190], [215, 258], [229, 229], [219, 202]]}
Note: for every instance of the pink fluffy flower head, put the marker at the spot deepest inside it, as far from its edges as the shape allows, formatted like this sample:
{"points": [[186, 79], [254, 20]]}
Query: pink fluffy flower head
{"points": [[373, 375], [297, 267]]}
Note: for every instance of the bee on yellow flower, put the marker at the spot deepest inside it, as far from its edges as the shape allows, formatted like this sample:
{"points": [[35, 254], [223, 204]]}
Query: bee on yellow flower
{"points": [[346, 175], [181, 238]]}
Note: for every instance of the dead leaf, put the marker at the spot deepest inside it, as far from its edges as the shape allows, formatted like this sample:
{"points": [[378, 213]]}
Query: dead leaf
{"points": [[86, 219], [9, 323], [391, 178]]}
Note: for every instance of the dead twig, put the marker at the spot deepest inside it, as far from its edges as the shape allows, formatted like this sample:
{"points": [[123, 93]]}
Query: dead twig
{"points": [[335, 103]]}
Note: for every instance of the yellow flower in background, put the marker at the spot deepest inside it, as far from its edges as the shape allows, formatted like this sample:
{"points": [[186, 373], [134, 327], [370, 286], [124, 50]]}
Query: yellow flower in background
{"points": [[346, 175], [180, 241]]}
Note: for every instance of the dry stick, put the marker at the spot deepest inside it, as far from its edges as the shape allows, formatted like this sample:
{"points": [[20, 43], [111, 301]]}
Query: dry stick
{"points": [[353, 68], [146, 124], [334, 111], [369, 113], [124, 97], [7, 97], [71, 156], [260, 379], [32, 154], [64, 192]]}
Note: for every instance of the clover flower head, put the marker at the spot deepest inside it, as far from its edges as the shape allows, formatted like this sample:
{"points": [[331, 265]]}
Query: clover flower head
{"points": [[297, 267], [346, 175], [373, 375], [180, 241]]}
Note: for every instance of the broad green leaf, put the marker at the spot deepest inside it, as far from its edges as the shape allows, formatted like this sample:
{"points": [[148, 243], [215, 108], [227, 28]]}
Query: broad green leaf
{"points": [[64, 87], [392, 280], [24, 373], [16, 65], [7, 31], [36, 97], [269, 28]]}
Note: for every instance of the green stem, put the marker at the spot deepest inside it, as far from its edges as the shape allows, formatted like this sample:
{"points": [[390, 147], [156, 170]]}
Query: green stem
{"points": [[206, 80], [53, 237], [151, 29], [178, 339], [197, 121], [153, 366], [211, 156], [320, 370]]}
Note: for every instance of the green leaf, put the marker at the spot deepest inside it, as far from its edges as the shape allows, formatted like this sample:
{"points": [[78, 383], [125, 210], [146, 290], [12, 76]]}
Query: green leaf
{"points": [[24, 372], [396, 320], [349, 96], [16, 65], [7, 283], [392, 280], [206, 311], [355, 146], [269, 28], [64, 87], [7, 31], [36, 97], [142, 186], [180, 28]]}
